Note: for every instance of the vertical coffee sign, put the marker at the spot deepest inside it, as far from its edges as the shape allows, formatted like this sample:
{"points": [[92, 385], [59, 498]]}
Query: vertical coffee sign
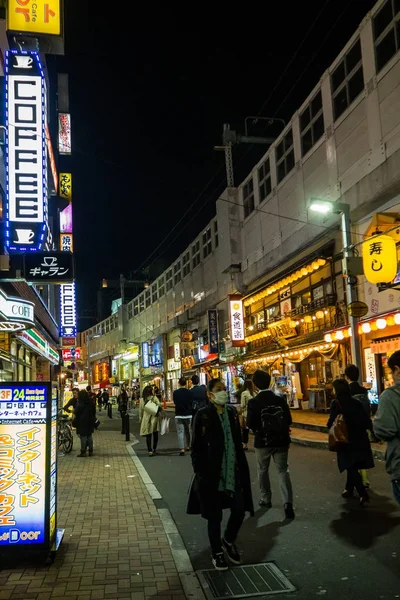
{"points": [[26, 165]]}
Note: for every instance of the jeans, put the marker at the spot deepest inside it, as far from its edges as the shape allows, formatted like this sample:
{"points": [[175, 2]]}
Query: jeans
{"points": [[354, 480], [155, 441], [396, 489], [183, 432], [86, 441], [233, 525], [280, 457]]}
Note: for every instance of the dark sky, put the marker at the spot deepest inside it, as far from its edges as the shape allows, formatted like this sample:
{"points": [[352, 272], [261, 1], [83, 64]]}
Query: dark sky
{"points": [[150, 89]]}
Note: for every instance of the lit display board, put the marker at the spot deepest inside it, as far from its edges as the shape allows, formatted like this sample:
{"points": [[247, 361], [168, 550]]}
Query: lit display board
{"points": [[28, 428]]}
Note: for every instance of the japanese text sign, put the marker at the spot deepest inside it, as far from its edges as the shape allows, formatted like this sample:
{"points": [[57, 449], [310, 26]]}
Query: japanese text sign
{"points": [[68, 309], [379, 259], [64, 133], [236, 318], [53, 267], [26, 164], [71, 354], [213, 331], [42, 17], [23, 477], [65, 181], [145, 355], [66, 219], [66, 242]]}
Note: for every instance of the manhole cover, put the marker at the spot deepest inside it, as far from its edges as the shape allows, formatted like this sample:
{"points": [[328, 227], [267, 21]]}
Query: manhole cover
{"points": [[244, 582]]}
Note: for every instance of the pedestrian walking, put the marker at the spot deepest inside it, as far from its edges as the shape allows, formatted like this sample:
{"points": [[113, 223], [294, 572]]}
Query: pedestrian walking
{"points": [[123, 407], [85, 415], [221, 474], [246, 395], [268, 416], [352, 374], [199, 394], [356, 454], [183, 415], [387, 423], [150, 419], [105, 398]]}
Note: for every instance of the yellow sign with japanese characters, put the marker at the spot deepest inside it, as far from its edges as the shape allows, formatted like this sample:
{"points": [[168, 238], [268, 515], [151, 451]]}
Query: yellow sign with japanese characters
{"points": [[65, 186], [34, 16], [379, 259]]}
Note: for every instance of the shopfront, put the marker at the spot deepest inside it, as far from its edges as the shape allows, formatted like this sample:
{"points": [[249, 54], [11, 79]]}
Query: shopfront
{"points": [[153, 370], [285, 325]]}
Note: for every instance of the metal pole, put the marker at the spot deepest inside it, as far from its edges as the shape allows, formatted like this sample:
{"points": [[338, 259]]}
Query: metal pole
{"points": [[350, 291], [127, 427], [88, 360]]}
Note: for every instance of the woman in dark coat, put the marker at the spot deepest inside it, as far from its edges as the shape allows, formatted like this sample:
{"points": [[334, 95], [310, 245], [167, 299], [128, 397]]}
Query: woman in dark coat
{"points": [[85, 415], [357, 454], [222, 478]]}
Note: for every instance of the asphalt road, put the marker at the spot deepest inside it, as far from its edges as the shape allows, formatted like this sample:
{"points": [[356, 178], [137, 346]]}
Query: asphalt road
{"points": [[334, 548]]}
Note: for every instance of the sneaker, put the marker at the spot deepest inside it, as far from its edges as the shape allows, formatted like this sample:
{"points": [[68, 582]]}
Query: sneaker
{"points": [[347, 494], [219, 562], [264, 504], [232, 552], [150, 454], [81, 454], [181, 453], [364, 499], [289, 512], [90, 452]]}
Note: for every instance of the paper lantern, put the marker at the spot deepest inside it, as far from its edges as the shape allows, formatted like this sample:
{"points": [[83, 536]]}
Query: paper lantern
{"points": [[319, 314], [381, 323], [339, 335], [292, 324], [397, 318], [307, 319], [366, 328], [315, 265], [390, 321], [380, 259]]}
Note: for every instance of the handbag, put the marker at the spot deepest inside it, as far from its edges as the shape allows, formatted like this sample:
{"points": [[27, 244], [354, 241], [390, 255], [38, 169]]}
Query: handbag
{"points": [[164, 426], [151, 408], [338, 433]]}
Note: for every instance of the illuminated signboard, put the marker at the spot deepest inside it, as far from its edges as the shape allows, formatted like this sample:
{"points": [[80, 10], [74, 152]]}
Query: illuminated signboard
{"points": [[71, 354], [53, 462], [26, 164], [66, 219], [51, 158], [66, 186], [48, 267], [25, 416], [68, 310], [213, 338], [236, 318], [145, 355], [42, 17], [66, 242], [15, 313], [64, 133]]}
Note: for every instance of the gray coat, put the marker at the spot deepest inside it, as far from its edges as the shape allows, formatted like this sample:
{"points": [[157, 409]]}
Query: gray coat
{"points": [[387, 427]]}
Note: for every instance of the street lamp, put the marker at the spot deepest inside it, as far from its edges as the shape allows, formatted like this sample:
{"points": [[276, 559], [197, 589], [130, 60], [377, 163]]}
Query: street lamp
{"points": [[89, 337], [326, 207]]}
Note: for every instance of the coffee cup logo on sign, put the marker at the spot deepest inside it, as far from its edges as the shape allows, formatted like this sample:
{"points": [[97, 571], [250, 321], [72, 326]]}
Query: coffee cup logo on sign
{"points": [[23, 62], [25, 236]]}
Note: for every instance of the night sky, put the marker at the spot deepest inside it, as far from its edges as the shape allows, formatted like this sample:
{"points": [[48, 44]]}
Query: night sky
{"points": [[150, 89]]}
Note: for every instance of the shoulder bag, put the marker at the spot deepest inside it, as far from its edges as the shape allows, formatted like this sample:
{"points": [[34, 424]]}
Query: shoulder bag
{"points": [[151, 408], [338, 433]]}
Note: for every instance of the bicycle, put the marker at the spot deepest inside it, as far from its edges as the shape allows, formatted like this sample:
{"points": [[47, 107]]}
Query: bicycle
{"points": [[64, 434]]}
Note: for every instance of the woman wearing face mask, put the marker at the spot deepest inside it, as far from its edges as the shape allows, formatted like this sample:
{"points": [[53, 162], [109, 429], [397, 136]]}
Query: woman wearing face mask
{"points": [[222, 478]]}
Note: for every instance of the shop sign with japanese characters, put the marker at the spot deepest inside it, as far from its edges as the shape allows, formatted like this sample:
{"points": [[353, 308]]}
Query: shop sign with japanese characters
{"points": [[26, 152], [66, 242], [42, 17], [379, 259], [71, 354], [236, 316], [24, 478], [64, 133], [68, 310], [213, 337], [49, 267], [65, 186]]}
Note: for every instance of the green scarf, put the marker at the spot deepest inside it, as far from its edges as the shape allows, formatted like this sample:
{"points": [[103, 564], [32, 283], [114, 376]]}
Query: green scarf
{"points": [[227, 477]]}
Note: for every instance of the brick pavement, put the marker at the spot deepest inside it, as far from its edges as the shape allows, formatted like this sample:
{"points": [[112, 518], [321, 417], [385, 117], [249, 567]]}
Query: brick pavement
{"points": [[114, 546]]}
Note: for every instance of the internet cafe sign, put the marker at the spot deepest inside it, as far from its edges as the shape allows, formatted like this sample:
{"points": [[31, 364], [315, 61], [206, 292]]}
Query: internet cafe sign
{"points": [[26, 163], [15, 313], [42, 17]]}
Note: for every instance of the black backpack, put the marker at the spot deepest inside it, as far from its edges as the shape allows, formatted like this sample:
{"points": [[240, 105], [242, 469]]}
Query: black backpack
{"points": [[274, 426]]}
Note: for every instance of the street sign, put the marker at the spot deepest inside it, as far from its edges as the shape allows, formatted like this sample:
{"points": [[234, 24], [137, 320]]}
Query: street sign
{"points": [[49, 267], [357, 309]]}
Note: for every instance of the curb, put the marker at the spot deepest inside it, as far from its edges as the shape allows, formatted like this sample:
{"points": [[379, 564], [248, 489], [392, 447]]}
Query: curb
{"points": [[190, 584]]}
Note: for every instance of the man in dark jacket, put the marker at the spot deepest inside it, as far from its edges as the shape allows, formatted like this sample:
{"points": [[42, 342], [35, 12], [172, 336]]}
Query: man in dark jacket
{"points": [[85, 415], [198, 393], [123, 407], [183, 415], [222, 478], [268, 416]]}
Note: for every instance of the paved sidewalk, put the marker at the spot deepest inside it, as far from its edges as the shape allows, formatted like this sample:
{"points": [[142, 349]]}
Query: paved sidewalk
{"points": [[115, 546]]}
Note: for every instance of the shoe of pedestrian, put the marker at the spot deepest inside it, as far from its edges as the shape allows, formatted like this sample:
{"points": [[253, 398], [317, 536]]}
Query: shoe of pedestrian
{"points": [[219, 562], [182, 453], [154, 451], [150, 453], [188, 449], [232, 552], [90, 452], [347, 494], [289, 512], [264, 503], [364, 499], [81, 454]]}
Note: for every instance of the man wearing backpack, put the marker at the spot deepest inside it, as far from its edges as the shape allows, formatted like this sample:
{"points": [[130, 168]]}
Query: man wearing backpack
{"points": [[352, 373], [268, 416]]}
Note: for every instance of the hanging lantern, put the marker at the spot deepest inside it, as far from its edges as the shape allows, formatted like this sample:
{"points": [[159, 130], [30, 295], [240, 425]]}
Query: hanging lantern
{"points": [[381, 323], [328, 337], [366, 328], [319, 314], [380, 259], [292, 324], [390, 321], [315, 265], [339, 335], [397, 318], [307, 319]]}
